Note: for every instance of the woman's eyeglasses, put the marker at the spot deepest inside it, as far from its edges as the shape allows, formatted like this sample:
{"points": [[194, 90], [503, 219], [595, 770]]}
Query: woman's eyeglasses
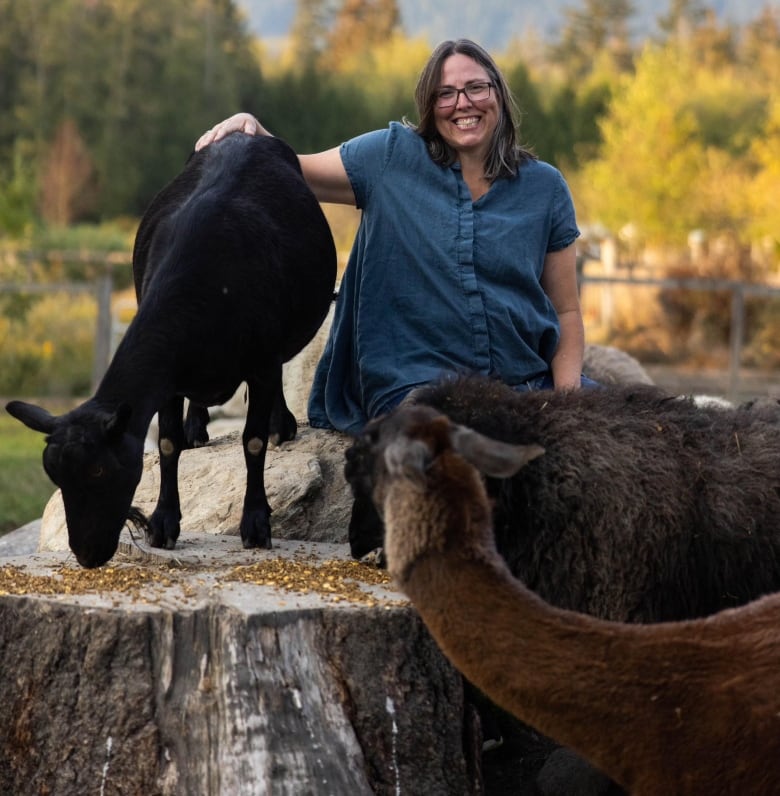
{"points": [[475, 92]]}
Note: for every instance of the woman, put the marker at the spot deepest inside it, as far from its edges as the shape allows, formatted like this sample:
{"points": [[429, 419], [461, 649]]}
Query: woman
{"points": [[464, 259]]}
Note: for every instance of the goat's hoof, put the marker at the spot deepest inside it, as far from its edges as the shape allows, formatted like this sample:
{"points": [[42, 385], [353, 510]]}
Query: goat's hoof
{"points": [[255, 528], [161, 542], [375, 558], [250, 544], [163, 530]]}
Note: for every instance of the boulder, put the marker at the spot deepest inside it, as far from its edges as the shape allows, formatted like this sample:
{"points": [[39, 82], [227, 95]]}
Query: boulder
{"points": [[304, 480], [609, 365]]}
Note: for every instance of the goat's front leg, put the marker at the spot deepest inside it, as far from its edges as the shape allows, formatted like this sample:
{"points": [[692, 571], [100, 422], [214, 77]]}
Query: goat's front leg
{"points": [[164, 522], [256, 516]]}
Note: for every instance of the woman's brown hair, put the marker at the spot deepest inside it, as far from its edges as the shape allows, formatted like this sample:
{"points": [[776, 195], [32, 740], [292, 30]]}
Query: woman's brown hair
{"points": [[505, 153]]}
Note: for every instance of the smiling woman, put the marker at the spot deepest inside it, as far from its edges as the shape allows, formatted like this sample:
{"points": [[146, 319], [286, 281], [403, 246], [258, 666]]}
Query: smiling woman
{"points": [[464, 259]]}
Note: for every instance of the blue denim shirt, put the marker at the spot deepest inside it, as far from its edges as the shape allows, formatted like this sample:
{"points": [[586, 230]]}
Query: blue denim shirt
{"points": [[436, 283]]}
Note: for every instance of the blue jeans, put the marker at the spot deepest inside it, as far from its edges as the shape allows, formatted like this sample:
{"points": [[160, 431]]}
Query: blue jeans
{"points": [[545, 382]]}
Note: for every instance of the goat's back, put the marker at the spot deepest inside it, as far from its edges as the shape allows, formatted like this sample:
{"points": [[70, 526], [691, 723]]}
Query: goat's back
{"points": [[237, 250]]}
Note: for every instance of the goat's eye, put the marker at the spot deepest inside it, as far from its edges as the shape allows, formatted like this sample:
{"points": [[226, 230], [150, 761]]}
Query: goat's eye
{"points": [[96, 471]]}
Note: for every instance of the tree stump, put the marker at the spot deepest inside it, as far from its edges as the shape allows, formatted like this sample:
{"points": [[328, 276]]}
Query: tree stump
{"points": [[187, 672]]}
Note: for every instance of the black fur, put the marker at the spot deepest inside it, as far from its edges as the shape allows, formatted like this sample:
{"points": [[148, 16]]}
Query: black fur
{"points": [[644, 507], [234, 268]]}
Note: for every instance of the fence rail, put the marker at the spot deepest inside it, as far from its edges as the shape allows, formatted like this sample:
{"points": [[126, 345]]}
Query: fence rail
{"points": [[102, 287], [738, 290]]}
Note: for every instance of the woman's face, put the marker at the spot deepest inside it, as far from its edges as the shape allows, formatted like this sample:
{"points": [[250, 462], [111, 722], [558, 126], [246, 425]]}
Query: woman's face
{"points": [[468, 125]]}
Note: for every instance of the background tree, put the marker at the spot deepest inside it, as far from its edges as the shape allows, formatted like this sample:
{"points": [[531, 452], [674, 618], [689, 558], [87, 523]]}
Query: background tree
{"points": [[67, 187], [682, 17], [358, 27], [139, 80], [676, 153], [309, 33], [593, 33], [764, 192], [651, 157]]}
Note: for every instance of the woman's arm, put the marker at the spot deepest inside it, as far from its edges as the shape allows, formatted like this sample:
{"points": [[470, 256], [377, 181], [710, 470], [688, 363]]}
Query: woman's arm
{"points": [[327, 177], [324, 171], [559, 280]]}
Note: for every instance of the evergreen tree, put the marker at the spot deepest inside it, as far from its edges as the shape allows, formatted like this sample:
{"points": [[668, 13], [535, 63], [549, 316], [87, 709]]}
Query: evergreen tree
{"points": [[137, 80], [600, 27], [682, 18]]}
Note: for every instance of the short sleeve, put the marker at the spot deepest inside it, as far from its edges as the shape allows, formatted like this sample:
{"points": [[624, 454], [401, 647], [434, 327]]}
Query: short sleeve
{"points": [[563, 231], [364, 159]]}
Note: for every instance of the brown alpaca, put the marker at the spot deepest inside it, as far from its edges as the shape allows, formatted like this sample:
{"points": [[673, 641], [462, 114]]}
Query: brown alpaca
{"points": [[674, 708]]}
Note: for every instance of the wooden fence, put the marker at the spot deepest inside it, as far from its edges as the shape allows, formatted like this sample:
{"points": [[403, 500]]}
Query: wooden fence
{"points": [[101, 288], [108, 327], [738, 291]]}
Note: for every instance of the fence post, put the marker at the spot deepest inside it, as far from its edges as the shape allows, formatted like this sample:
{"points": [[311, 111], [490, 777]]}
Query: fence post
{"points": [[736, 336], [103, 290]]}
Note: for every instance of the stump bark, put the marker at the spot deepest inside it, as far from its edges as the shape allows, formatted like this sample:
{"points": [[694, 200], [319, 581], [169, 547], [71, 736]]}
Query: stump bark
{"points": [[200, 684]]}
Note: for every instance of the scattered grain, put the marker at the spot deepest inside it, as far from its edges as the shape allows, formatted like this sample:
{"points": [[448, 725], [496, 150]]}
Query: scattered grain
{"points": [[336, 580]]}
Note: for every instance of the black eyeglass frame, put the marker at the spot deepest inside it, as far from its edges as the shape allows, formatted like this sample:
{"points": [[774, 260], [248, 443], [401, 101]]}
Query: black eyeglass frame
{"points": [[465, 90]]}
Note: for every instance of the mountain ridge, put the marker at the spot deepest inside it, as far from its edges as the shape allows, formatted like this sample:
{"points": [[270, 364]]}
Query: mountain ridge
{"points": [[493, 23]]}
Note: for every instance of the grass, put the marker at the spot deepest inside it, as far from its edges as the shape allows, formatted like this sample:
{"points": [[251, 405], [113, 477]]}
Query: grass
{"points": [[24, 486]]}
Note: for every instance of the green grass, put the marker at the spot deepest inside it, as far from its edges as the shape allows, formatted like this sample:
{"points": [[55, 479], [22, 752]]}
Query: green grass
{"points": [[24, 486]]}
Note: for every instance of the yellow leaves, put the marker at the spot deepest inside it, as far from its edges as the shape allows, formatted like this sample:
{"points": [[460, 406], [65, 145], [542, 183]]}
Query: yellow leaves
{"points": [[49, 349], [674, 155]]}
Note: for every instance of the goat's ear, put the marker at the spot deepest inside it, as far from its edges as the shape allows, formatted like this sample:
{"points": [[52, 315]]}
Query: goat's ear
{"points": [[34, 417], [116, 424], [491, 457], [408, 457]]}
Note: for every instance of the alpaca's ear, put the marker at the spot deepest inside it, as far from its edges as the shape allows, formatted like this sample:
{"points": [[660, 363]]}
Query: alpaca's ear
{"points": [[491, 457], [408, 457]]}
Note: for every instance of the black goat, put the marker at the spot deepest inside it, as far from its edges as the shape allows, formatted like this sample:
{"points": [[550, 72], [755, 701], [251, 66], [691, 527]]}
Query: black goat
{"points": [[234, 269], [644, 508]]}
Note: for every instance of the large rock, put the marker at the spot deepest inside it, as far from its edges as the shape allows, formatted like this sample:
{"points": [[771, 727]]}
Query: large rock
{"points": [[609, 365], [304, 479], [201, 681]]}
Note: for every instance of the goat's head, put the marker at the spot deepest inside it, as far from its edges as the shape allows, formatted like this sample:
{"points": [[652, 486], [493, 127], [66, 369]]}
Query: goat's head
{"points": [[96, 465], [405, 443]]}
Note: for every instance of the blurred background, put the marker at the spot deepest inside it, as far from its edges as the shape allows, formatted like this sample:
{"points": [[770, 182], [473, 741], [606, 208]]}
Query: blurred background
{"points": [[664, 118]]}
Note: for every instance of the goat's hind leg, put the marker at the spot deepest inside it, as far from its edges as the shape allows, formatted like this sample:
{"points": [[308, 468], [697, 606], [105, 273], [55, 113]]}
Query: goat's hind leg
{"points": [[282, 426], [196, 422], [256, 516], [164, 522]]}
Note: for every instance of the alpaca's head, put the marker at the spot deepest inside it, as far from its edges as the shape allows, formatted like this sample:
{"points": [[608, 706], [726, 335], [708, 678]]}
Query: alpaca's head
{"points": [[422, 473]]}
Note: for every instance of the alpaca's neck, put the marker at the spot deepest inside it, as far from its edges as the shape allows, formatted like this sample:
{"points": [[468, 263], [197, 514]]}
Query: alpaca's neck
{"points": [[598, 687], [472, 606]]}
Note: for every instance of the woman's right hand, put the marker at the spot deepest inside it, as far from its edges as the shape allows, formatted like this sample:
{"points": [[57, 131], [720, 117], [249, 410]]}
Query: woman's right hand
{"points": [[239, 122]]}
